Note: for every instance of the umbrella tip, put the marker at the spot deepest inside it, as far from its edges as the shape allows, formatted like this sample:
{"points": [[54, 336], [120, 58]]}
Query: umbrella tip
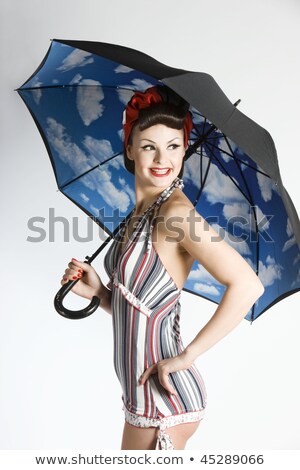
{"points": [[237, 102]]}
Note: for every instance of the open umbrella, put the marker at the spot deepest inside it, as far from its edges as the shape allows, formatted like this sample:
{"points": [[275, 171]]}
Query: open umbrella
{"points": [[77, 97]]}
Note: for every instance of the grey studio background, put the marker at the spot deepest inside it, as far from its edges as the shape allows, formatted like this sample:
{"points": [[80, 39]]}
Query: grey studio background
{"points": [[58, 386]]}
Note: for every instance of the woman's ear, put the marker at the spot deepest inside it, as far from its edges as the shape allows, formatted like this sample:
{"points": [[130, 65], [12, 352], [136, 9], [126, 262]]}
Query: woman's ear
{"points": [[128, 152]]}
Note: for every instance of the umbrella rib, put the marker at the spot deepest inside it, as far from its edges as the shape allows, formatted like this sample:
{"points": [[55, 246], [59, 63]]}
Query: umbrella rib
{"points": [[214, 156], [201, 166], [205, 177], [207, 137], [203, 137], [251, 203], [196, 129], [237, 159], [89, 170], [201, 175], [254, 214], [240, 170], [75, 85], [203, 124]]}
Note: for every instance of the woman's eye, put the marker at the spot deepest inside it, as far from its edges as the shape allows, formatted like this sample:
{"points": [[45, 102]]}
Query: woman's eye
{"points": [[146, 146], [152, 147]]}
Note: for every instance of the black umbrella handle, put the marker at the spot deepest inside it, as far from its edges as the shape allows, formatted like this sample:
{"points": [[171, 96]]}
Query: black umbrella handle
{"points": [[63, 291], [73, 314]]}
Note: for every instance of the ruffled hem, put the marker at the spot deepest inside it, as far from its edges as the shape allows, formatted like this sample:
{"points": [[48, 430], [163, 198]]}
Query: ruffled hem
{"points": [[164, 441]]}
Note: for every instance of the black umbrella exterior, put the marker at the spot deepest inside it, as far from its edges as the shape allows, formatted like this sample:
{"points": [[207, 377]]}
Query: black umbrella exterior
{"points": [[77, 97]]}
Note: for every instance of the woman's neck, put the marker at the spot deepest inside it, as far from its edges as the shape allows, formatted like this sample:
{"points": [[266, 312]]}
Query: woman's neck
{"points": [[145, 197]]}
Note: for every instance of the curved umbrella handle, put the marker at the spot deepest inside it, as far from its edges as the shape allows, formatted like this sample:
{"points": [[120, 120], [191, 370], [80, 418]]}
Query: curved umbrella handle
{"points": [[63, 291], [73, 314]]}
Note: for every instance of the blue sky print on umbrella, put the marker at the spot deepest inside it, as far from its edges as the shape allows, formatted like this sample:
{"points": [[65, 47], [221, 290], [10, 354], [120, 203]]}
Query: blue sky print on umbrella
{"points": [[77, 100], [251, 227]]}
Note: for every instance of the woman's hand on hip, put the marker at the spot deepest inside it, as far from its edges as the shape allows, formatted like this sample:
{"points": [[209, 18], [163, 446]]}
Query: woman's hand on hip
{"points": [[164, 367]]}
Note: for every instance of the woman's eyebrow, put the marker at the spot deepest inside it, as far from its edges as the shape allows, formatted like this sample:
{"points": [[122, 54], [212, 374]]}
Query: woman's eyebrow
{"points": [[155, 142]]}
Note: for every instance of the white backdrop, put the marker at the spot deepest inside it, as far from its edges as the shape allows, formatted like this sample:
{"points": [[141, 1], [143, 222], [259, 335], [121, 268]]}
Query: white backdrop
{"points": [[58, 386]]}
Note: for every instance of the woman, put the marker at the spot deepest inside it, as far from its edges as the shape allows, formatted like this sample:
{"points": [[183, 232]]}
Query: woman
{"points": [[148, 265]]}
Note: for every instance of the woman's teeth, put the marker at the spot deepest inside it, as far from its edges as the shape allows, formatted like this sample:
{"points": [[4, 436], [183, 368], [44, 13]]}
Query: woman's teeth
{"points": [[160, 172]]}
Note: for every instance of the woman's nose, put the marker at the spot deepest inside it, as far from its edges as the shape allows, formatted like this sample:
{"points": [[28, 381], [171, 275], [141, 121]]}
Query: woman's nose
{"points": [[160, 156]]}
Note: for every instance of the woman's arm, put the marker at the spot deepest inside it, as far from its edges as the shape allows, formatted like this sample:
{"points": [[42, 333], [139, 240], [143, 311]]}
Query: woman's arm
{"points": [[89, 283], [226, 265], [236, 302], [104, 295]]}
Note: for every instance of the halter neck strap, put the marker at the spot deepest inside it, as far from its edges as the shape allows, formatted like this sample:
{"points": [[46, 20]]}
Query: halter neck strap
{"points": [[176, 183]]}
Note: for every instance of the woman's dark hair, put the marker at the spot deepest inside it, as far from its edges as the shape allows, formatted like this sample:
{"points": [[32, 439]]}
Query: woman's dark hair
{"points": [[159, 113]]}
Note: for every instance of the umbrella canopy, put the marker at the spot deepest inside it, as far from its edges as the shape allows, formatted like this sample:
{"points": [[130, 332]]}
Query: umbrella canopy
{"points": [[77, 97]]}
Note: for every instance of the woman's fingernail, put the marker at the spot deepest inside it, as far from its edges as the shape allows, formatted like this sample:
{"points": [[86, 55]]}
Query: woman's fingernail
{"points": [[80, 271], [74, 277]]}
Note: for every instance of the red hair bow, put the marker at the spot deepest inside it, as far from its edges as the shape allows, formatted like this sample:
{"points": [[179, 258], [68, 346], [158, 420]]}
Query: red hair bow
{"points": [[142, 100]]}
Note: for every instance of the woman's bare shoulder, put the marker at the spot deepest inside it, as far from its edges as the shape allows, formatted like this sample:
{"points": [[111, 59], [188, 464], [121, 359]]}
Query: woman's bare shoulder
{"points": [[174, 216], [198, 238], [178, 204]]}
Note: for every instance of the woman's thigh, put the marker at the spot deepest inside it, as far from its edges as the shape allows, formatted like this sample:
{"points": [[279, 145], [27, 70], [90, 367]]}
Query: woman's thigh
{"points": [[181, 433], [136, 438]]}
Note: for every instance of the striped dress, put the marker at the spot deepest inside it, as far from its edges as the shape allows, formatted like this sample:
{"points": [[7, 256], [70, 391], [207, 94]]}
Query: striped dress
{"points": [[146, 329]]}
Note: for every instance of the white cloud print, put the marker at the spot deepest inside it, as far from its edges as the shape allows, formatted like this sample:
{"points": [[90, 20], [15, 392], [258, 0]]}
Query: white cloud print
{"points": [[201, 274], [220, 188], [37, 94], [266, 186], [291, 241], [205, 289], [204, 283], [223, 146], [269, 272], [127, 91], [100, 149], [77, 58], [124, 95], [76, 79], [123, 69], [84, 197], [140, 84], [244, 211], [98, 180], [88, 100], [296, 282], [238, 243]]}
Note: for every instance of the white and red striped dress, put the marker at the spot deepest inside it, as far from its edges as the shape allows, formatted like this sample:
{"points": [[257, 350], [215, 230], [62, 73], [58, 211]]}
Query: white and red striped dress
{"points": [[146, 327]]}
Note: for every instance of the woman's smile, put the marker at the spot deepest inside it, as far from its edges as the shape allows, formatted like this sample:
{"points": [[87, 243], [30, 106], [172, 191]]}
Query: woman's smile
{"points": [[160, 172]]}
